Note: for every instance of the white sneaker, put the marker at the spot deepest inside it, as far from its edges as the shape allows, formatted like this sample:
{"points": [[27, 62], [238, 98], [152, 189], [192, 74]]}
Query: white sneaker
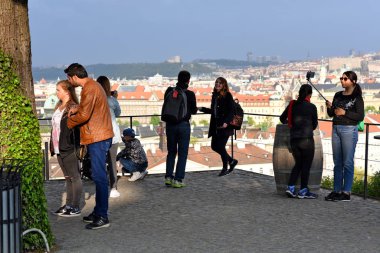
{"points": [[114, 193], [136, 176], [143, 174]]}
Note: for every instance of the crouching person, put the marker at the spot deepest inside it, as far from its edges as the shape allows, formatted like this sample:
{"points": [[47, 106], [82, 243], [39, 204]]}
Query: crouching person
{"points": [[133, 157]]}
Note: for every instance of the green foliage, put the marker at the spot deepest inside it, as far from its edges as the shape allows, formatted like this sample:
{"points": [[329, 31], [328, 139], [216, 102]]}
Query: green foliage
{"points": [[266, 124], [131, 70], [370, 108], [250, 121], [136, 123], [155, 120], [358, 184], [374, 185], [20, 139], [203, 122], [193, 140]]}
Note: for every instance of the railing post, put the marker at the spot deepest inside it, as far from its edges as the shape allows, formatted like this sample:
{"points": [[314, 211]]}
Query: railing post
{"points": [[366, 161], [232, 146], [130, 121], [46, 162]]}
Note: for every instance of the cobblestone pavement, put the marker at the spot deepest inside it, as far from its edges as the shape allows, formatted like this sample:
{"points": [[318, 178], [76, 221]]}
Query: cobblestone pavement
{"points": [[240, 212]]}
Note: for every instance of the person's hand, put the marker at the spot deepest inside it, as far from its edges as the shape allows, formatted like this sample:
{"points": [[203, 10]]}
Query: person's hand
{"points": [[224, 125], [339, 111], [73, 111], [328, 104]]}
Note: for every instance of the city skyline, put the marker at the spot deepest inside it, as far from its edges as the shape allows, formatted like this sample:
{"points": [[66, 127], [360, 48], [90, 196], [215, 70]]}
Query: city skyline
{"points": [[115, 31]]}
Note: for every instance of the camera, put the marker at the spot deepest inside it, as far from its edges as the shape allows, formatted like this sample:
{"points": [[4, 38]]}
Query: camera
{"points": [[310, 74], [114, 93]]}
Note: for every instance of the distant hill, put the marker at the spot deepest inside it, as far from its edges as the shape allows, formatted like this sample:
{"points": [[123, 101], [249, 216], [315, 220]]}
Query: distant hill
{"points": [[145, 70], [128, 70]]}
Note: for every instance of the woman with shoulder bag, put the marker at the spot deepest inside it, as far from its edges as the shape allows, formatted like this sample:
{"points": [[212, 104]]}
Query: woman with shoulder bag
{"points": [[64, 142], [222, 112]]}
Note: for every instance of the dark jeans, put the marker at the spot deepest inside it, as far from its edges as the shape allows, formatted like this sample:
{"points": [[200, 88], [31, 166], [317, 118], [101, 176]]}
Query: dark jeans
{"points": [[218, 144], [132, 166], [178, 139], [303, 153], [98, 153], [74, 187]]}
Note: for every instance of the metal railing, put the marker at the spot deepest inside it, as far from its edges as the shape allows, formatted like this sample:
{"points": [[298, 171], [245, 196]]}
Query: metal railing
{"points": [[131, 118]]}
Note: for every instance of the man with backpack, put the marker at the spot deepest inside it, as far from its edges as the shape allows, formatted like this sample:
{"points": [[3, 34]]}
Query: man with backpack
{"points": [[179, 105]]}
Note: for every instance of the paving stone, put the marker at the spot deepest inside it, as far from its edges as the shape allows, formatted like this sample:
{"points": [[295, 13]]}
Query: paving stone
{"points": [[240, 212]]}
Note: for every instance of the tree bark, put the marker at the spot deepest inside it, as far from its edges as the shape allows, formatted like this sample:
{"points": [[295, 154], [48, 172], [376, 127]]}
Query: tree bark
{"points": [[15, 41]]}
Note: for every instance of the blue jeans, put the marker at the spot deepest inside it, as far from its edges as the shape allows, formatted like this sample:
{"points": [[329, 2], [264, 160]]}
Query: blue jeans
{"points": [[98, 154], [178, 140], [132, 166], [344, 139]]}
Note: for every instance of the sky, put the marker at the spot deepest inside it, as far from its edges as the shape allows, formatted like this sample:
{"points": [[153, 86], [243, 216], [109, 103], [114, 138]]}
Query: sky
{"points": [[149, 31]]}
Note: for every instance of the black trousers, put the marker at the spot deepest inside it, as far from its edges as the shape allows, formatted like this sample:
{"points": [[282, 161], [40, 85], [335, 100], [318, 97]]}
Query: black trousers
{"points": [[303, 153], [218, 144]]}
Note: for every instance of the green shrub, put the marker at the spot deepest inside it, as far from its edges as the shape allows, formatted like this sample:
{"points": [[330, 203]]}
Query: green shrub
{"points": [[373, 185], [20, 139]]}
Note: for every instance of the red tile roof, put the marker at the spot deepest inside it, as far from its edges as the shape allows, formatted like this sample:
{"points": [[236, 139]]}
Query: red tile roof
{"points": [[250, 154]]}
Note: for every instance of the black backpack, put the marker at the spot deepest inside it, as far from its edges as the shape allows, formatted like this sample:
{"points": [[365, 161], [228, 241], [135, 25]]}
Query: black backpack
{"points": [[174, 109], [237, 120]]}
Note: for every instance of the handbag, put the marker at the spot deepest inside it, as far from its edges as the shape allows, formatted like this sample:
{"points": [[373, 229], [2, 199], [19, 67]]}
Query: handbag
{"points": [[361, 126], [81, 152]]}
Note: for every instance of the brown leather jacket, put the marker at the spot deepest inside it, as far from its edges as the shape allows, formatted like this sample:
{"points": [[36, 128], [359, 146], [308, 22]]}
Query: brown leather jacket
{"points": [[93, 114]]}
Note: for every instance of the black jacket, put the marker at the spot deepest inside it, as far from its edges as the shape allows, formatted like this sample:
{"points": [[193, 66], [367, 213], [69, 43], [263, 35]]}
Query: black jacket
{"points": [[304, 117], [222, 111], [354, 106], [69, 139]]}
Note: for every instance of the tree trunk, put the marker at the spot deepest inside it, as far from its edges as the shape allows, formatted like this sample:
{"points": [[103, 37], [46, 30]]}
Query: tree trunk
{"points": [[15, 41]]}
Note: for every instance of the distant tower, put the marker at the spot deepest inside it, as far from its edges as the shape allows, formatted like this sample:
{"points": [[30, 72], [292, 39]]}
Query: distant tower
{"points": [[249, 57], [364, 70], [352, 52]]}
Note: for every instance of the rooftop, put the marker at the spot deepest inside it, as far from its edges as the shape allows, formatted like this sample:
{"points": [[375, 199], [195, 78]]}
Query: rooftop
{"points": [[240, 212]]}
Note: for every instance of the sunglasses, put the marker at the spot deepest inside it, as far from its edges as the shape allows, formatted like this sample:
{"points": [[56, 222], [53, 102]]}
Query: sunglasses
{"points": [[343, 78]]}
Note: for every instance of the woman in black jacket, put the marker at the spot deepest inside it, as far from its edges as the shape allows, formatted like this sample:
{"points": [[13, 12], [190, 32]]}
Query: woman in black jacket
{"points": [[222, 110], [302, 119], [347, 110], [64, 142]]}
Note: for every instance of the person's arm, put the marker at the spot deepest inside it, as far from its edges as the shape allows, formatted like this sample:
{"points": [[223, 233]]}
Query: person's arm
{"points": [[117, 109], [284, 116], [205, 110], [193, 103], [230, 109], [315, 117], [330, 110], [85, 109]]}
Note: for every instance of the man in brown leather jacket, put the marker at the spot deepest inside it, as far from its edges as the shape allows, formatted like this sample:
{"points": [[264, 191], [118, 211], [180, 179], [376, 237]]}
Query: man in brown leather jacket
{"points": [[94, 118]]}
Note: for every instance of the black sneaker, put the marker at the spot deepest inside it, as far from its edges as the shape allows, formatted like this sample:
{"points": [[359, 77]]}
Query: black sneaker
{"points": [[71, 212], [90, 218], [98, 223], [223, 172], [60, 210], [332, 196], [343, 197], [233, 164]]}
